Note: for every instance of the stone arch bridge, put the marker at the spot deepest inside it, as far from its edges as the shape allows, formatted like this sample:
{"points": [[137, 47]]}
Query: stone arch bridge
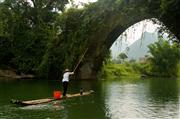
{"points": [[119, 16]]}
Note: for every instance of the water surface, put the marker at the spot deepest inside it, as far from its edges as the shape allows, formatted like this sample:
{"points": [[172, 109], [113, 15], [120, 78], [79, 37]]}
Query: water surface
{"points": [[115, 99]]}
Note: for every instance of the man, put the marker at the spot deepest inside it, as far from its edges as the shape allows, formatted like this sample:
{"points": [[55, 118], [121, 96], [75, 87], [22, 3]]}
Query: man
{"points": [[65, 80]]}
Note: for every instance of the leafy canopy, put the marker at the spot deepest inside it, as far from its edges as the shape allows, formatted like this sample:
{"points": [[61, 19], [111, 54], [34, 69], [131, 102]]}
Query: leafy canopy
{"points": [[165, 58]]}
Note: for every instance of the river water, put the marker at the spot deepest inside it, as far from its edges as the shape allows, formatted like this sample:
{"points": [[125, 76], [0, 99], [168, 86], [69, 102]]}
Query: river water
{"points": [[116, 99]]}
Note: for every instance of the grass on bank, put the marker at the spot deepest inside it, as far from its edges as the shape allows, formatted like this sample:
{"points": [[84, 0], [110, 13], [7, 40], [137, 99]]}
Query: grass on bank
{"points": [[113, 71]]}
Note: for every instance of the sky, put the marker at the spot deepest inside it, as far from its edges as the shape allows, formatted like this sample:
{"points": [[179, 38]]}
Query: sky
{"points": [[79, 3], [84, 1], [133, 33]]}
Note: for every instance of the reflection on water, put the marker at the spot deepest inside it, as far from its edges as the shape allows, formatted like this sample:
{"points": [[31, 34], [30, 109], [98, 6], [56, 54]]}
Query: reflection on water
{"points": [[115, 99], [142, 99], [163, 91], [164, 96]]}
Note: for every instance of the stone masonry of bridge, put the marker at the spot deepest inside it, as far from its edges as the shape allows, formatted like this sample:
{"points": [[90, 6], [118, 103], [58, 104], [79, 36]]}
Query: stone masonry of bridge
{"points": [[118, 19]]}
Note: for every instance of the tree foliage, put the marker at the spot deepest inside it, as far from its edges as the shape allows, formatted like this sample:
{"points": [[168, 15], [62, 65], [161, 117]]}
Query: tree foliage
{"points": [[122, 56], [25, 29], [165, 58]]}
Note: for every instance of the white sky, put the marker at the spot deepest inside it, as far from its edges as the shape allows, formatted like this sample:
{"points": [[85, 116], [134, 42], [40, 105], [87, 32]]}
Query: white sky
{"points": [[77, 2], [84, 1], [80, 2], [133, 33]]}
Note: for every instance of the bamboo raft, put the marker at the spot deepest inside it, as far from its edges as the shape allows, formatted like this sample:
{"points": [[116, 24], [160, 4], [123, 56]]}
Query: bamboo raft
{"points": [[46, 100]]}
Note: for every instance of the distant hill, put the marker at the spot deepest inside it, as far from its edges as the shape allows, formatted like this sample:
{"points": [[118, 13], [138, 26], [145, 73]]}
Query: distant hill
{"points": [[139, 48]]}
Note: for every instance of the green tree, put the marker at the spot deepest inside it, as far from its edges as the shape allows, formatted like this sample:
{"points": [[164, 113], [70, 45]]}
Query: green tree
{"points": [[165, 58], [121, 57], [25, 28]]}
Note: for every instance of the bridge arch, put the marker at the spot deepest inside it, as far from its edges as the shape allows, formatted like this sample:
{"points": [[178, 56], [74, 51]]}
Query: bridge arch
{"points": [[118, 21], [96, 27], [94, 60]]}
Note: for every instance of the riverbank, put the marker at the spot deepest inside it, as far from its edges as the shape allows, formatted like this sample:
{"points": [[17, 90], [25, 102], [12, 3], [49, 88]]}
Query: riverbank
{"points": [[114, 70], [10, 73]]}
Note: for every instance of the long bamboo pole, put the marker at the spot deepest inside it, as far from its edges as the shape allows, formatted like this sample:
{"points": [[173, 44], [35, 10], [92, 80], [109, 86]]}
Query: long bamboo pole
{"points": [[80, 60]]}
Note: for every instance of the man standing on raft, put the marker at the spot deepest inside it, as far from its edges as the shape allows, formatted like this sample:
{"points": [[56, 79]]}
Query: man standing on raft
{"points": [[65, 80]]}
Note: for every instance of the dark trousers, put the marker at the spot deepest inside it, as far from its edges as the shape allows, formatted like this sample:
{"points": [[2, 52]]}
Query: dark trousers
{"points": [[65, 86]]}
